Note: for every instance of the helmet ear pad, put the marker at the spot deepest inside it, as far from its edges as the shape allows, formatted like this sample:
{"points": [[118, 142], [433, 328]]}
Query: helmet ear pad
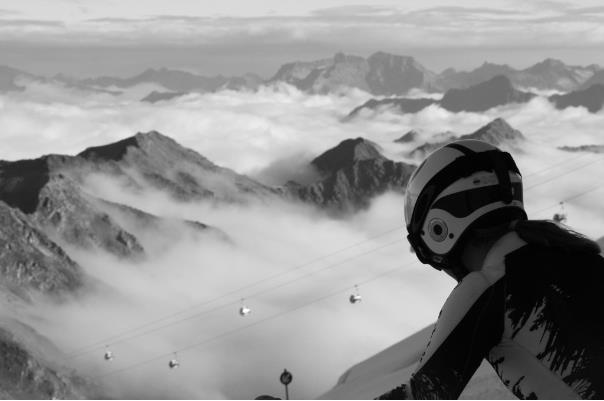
{"points": [[491, 224]]}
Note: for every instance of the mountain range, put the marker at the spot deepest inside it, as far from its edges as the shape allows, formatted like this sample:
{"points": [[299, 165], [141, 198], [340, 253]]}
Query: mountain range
{"points": [[497, 91], [380, 74], [497, 132], [49, 206]]}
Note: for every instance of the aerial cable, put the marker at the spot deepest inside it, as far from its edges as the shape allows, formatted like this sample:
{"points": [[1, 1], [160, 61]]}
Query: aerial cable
{"points": [[90, 348], [255, 323], [205, 312]]}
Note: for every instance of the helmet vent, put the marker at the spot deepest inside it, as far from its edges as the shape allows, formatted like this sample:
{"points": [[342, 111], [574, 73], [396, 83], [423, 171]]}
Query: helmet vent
{"points": [[438, 230]]}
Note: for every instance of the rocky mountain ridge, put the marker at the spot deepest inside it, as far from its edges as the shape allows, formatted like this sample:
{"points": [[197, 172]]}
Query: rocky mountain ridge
{"points": [[52, 192], [31, 261], [497, 132], [495, 92], [381, 74], [351, 175], [592, 98], [29, 367]]}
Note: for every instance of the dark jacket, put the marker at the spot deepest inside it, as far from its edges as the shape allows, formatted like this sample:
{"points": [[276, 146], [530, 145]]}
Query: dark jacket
{"points": [[535, 313]]}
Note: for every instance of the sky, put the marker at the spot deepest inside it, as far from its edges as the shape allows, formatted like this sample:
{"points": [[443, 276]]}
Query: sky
{"points": [[91, 38]]}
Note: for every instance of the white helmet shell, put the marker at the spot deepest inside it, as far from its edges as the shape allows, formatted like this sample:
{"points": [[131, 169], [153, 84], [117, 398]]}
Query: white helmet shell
{"points": [[455, 186]]}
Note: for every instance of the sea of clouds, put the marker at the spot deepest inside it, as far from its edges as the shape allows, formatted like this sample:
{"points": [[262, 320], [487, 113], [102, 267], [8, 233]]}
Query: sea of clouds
{"points": [[279, 257]]}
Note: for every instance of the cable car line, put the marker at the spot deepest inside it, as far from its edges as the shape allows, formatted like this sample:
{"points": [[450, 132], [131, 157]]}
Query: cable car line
{"points": [[90, 348], [269, 289], [255, 323], [599, 160], [95, 345]]}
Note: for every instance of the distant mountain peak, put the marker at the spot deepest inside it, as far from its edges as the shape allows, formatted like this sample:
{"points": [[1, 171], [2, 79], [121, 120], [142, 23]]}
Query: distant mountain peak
{"points": [[496, 91], [347, 153], [496, 132], [410, 136]]}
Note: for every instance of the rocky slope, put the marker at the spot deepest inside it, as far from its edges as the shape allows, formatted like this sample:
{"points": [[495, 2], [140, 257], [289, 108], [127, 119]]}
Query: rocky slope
{"points": [[495, 92], [153, 159], [351, 174], [29, 368], [592, 98], [51, 190], [32, 262], [498, 133]]}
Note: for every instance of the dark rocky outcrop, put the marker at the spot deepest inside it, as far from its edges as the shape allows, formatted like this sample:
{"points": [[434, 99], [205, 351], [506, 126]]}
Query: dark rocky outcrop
{"points": [[410, 136], [48, 191], [31, 261], [352, 174], [29, 368], [157, 96], [592, 98]]}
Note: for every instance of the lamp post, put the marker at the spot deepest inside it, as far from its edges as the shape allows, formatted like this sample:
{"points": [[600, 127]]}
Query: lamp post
{"points": [[286, 378]]}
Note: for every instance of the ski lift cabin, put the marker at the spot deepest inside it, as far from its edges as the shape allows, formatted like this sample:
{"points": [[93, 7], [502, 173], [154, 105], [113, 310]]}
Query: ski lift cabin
{"points": [[173, 364], [560, 217], [356, 296], [244, 310], [108, 354]]}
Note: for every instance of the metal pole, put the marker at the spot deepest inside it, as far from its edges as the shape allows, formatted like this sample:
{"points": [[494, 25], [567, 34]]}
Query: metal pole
{"points": [[285, 379]]}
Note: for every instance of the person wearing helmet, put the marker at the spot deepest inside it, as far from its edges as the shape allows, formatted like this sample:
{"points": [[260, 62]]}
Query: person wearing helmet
{"points": [[529, 292]]}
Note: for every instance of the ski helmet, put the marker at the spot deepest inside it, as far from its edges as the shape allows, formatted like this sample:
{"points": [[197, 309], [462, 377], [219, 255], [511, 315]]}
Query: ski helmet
{"points": [[452, 189]]}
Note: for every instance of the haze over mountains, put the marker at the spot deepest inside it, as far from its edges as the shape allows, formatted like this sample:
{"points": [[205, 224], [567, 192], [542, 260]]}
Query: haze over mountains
{"points": [[380, 74]]}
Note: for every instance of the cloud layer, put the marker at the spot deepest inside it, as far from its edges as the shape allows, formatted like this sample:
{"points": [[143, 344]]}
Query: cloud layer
{"points": [[255, 133]]}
